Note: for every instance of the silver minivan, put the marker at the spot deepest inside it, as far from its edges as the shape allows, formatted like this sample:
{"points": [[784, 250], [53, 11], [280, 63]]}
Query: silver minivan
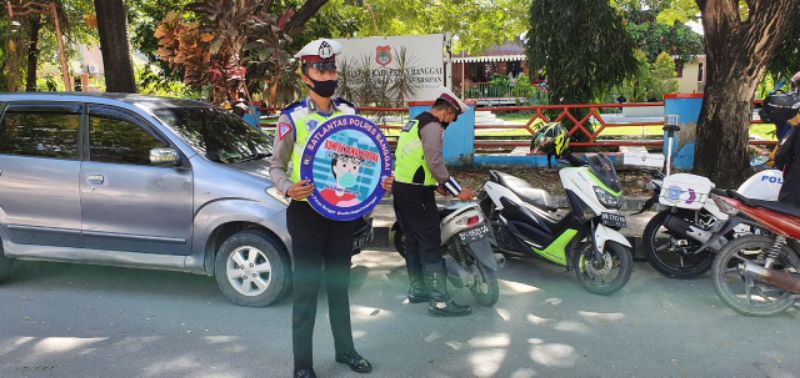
{"points": [[146, 182]]}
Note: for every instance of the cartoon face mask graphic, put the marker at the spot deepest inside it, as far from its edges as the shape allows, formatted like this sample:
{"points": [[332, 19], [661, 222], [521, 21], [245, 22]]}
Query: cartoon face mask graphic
{"points": [[345, 170]]}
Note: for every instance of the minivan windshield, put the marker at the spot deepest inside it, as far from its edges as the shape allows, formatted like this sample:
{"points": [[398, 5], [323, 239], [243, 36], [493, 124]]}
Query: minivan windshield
{"points": [[219, 136]]}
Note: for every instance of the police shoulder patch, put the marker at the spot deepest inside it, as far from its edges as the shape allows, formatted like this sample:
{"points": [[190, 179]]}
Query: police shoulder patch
{"points": [[283, 129]]}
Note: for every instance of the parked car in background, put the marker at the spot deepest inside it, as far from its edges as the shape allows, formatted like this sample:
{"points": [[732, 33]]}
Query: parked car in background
{"points": [[144, 182]]}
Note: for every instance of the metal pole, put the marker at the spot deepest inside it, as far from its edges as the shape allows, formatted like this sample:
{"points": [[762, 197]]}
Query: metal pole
{"points": [[463, 68], [61, 54], [670, 127]]}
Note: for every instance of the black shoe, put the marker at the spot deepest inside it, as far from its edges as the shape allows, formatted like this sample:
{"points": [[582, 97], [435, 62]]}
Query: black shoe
{"points": [[357, 363], [305, 373], [446, 307]]}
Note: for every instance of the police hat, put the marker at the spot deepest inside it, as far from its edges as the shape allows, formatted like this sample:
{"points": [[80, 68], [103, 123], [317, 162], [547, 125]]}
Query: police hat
{"points": [[320, 50], [450, 97]]}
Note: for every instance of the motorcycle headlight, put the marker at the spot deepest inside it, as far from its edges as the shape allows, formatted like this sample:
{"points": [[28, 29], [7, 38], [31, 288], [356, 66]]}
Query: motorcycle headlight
{"points": [[607, 199]]}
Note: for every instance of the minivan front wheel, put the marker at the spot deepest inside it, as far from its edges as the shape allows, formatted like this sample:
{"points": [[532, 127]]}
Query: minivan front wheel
{"points": [[252, 269]]}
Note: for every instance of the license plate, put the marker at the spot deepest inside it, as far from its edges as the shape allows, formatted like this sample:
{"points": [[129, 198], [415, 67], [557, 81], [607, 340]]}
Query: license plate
{"points": [[614, 220], [474, 234]]}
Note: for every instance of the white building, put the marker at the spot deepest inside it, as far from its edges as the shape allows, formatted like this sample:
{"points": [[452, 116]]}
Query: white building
{"points": [[692, 75]]}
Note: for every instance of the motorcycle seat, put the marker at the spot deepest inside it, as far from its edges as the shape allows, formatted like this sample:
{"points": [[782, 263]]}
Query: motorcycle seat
{"points": [[778, 207], [444, 211], [532, 215], [534, 196]]}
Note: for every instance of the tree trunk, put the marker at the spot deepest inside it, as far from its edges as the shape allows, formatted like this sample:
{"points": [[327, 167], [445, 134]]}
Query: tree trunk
{"points": [[112, 25], [298, 21], [737, 52], [33, 54]]}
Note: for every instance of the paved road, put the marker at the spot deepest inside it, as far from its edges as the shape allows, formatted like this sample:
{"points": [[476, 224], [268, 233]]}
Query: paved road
{"points": [[62, 320]]}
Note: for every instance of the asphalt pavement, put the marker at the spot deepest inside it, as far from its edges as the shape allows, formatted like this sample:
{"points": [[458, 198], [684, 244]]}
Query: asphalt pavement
{"points": [[64, 320]]}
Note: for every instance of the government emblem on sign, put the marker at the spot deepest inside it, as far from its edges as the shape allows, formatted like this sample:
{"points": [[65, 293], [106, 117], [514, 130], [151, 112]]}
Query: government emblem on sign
{"points": [[383, 55], [349, 157]]}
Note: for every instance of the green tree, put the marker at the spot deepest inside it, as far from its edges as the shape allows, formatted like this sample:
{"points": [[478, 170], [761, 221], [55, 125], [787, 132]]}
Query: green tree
{"points": [[662, 75], [654, 38], [786, 59], [634, 87], [582, 46], [477, 24], [740, 37], [34, 43], [112, 25]]}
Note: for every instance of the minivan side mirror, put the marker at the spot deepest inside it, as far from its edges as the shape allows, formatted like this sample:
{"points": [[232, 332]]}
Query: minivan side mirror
{"points": [[164, 156]]}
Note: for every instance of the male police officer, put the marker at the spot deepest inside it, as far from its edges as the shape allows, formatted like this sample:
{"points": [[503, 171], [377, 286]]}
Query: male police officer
{"points": [[316, 240], [419, 170]]}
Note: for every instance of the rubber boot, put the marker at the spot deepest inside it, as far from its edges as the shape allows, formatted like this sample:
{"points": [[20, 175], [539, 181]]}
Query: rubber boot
{"points": [[440, 303], [417, 290]]}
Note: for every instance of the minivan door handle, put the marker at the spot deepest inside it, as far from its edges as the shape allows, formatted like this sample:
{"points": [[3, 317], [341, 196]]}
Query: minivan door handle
{"points": [[96, 179]]}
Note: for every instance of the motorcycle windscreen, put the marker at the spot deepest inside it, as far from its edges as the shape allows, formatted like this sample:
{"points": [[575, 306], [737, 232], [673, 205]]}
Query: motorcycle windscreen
{"points": [[604, 171]]}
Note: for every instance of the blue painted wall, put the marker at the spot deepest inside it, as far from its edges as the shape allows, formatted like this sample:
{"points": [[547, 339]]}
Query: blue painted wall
{"points": [[459, 138], [688, 111]]}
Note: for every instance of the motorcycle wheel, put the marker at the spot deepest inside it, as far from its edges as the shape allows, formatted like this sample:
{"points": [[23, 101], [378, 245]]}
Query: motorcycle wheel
{"points": [[596, 279], [747, 296], [666, 257], [487, 290]]}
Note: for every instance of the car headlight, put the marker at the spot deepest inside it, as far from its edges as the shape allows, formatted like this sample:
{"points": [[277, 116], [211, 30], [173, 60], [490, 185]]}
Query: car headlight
{"points": [[274, 193], [607, 199]]}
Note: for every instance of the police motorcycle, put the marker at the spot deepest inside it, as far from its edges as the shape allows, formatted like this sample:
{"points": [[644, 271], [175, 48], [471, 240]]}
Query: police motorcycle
{"points": [[467, 244], [673, 238], [681, 239], [585, 238]]}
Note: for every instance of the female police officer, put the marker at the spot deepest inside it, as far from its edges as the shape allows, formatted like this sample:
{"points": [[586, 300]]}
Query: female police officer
{"points": [[316, 241]]}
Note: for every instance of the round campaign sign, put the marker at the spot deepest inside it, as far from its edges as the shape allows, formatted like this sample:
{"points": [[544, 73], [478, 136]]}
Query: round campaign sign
{"points": [[346, 159]]}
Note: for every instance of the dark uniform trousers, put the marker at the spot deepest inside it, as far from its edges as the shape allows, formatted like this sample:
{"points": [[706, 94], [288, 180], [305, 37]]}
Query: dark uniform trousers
{"points": [[316, 242], [415, 207]]}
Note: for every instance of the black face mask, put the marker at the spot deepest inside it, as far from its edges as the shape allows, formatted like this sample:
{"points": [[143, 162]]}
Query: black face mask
{"points": [[324, 88]]}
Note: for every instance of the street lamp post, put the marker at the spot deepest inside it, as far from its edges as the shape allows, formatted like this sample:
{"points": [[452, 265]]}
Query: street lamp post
{"points": [[48, 9]]}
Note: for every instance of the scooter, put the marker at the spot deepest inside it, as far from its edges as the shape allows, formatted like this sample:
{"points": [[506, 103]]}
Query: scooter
{"points": [[759, 275], [584, 239], [469, 260]]}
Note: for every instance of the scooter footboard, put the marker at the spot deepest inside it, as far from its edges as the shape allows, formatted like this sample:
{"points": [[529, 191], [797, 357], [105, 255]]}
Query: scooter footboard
{"points": [[603, 234]]}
